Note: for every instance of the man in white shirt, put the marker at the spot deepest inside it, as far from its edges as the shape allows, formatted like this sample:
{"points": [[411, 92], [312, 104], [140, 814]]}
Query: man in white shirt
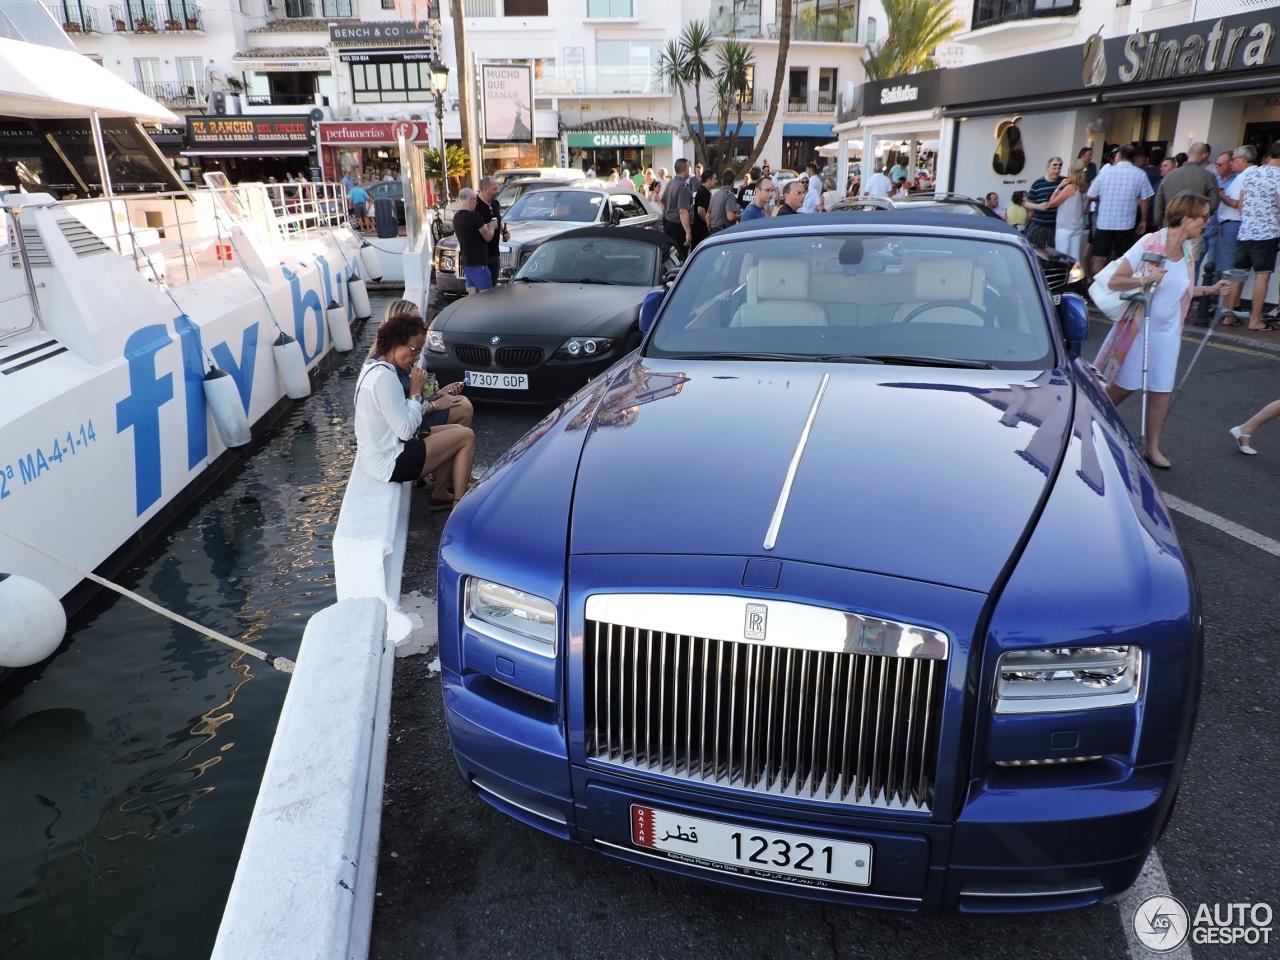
{"points": [[813, 195], [878, 185]]}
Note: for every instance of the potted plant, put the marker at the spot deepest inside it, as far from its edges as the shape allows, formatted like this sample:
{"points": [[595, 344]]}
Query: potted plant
{"points": [[193, 22], [146, 26], [71, 27], [121, 26], [172, 24]]}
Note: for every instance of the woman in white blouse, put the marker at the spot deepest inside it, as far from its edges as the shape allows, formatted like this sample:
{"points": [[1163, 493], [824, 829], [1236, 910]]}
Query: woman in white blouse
{"points": [[387, 422]]}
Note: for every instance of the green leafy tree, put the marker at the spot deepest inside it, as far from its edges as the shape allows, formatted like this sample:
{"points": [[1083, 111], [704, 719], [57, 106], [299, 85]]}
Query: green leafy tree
{"points": [[685, 64], [916, 28], [459, 162], [734, 64]]}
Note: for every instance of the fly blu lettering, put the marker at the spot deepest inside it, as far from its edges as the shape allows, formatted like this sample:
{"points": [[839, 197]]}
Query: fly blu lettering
{"points": [[149, 390]]}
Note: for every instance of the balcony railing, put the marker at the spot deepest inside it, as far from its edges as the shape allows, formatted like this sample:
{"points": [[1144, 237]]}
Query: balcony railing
{"points": [[311, 9], [279, 100], [175, 93], [819, 102], [587, 81], [74, 17], [172, 17], [740, 21]]}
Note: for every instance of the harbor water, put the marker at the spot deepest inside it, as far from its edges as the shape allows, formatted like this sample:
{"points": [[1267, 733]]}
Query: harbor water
{"points": [[130, 762]]}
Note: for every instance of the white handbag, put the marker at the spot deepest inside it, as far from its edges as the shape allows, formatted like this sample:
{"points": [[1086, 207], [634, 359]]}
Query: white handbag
{"points": [[1103, 297]]}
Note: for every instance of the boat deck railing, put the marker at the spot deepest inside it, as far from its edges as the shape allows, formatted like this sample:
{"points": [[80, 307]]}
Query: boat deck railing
{"points": [[175, 237]]}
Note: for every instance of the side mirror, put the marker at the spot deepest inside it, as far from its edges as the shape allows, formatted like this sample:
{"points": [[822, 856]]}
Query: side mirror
{"points": [[649, 309], [506, 273], [1073, 314]]}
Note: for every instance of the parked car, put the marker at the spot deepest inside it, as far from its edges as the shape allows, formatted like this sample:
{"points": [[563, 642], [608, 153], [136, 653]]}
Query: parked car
{"points": [[538, 173], [540, 214], [849, 584], [1062, 272], [571, 311], [386, 190]]}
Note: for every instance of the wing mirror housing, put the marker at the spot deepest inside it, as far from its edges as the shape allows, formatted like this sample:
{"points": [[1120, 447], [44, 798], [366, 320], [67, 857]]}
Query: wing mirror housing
{"points": [[649, 309], [506, 273], [1073, 314]]}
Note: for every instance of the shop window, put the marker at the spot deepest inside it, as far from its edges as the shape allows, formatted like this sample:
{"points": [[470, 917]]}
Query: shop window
{"points": [[987, 13], [525, 8]]}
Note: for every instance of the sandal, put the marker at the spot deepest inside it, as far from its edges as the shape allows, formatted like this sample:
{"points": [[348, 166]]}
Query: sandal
{"points": [[1265, 326], [1230, 323], [1242, 441]]}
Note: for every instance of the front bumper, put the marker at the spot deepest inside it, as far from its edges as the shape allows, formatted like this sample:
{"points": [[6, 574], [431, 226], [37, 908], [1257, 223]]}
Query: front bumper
{"points": [[1010, 851]]}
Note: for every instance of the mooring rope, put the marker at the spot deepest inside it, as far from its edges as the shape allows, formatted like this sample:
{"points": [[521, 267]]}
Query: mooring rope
{"points": [[283, 664]]}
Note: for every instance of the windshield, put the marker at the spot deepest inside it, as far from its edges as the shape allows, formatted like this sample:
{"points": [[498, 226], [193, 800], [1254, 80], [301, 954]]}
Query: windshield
{"points": [[879, 296], [593, 260], [578, 206]]}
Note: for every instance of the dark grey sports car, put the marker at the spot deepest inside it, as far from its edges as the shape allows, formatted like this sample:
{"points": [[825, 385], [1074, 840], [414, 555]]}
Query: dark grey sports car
{"points": [[571, 311]]}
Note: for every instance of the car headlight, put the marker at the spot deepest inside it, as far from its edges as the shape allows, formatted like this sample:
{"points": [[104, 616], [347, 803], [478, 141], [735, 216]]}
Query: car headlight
{"points": [[1059, 679], [579, 348], [1076, 273], [512, 616], [435, 342]]}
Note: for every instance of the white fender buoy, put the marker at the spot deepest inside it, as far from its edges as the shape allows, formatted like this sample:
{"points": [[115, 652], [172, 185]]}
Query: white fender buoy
{"points": [[339, 327], [292, 367], [372, 263], [359, 297], [32, 621], [223, 398]]}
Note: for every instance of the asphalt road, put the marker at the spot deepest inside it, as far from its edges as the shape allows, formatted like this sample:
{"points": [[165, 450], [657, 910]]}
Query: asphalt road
{"points": [[458, 879]]}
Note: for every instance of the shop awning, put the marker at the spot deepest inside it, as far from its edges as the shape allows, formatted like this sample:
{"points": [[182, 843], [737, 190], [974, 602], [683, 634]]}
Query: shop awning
{"points": [[748, 130], [806, 130], [250, 152]]}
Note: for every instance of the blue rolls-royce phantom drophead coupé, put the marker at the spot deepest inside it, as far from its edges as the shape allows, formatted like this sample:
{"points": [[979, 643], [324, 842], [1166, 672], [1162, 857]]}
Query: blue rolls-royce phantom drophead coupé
{"points": [[849, 584]]}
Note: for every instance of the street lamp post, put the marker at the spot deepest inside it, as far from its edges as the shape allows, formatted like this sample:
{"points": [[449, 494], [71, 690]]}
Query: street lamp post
{"points": [[439, 82]]}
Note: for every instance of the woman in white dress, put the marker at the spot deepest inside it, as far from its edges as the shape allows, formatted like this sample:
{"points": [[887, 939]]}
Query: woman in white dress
{"points": [[1174, 287]]}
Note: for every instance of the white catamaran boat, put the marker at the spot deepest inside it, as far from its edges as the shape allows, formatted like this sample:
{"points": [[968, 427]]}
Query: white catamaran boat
{"points": [[145, 327]]}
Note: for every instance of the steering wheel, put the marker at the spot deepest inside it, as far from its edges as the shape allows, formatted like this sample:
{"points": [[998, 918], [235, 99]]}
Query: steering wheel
{"points": [[940, 304], [626, 276]]}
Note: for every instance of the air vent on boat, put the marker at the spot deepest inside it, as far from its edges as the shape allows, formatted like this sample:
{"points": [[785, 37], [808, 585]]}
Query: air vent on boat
{"points": [[83, 241], [37, 253]]}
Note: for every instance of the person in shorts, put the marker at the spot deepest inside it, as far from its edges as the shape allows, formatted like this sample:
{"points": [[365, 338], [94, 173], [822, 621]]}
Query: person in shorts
{"points": [[473, 234], [1123, 195], [1258, 242]]}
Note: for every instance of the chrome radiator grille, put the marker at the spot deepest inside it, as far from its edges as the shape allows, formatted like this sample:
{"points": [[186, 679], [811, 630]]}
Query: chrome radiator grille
{"points": [[849, 728]]}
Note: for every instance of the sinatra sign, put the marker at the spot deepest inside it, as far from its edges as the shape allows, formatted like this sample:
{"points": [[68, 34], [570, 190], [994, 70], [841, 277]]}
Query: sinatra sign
{"points": [[1147, 57]]}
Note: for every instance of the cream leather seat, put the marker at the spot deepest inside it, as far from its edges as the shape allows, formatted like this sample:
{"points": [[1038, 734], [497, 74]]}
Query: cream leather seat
{"points": [[946, 282], [778, 296]]}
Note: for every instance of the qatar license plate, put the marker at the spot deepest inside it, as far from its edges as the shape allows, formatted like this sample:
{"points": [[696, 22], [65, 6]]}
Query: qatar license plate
{"points": [[498, 381], [788, 857]]}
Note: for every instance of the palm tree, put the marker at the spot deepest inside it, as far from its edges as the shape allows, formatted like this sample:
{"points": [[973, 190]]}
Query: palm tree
{"points": [[779, 74], [734, 63], [683, 64], [916, 29], [456, 157]]}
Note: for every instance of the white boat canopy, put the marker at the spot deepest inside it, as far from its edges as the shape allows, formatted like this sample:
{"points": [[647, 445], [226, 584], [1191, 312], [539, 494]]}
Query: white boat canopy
{"points": [[45, 83]]}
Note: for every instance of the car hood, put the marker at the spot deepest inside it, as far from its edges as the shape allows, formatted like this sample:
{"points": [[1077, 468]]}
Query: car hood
{"points": [[563, 309], [929, 474]]}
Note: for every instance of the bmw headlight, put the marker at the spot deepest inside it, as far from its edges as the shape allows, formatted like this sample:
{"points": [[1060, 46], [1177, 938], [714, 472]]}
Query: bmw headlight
{"points": [[512, 616], [583, 348], [435, 342], [1059, 679], [1076, 273]]}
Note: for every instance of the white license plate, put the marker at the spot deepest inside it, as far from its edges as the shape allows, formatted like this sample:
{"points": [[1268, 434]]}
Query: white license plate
{"points": [[1056, 298], [498, 381], [811, 861]]}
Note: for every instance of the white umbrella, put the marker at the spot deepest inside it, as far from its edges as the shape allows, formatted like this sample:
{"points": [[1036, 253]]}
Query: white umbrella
{"points": [[832, 149]]}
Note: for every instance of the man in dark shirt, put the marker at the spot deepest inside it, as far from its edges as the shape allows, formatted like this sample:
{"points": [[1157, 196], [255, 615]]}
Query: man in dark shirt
{"points": [[473, 233], [677, 208], [748, 191], [489, 209], [702, 206], [792, 197]]}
